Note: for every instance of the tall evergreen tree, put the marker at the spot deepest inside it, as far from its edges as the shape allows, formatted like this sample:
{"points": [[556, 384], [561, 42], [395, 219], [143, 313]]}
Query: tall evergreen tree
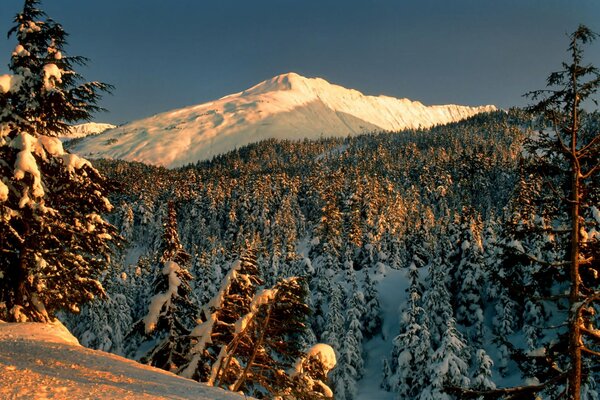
{"points": [[265, 343], [448, 366], [54, 241], [371, 319], [210, 338], [412, 347], [161, 337], [564, 156]]}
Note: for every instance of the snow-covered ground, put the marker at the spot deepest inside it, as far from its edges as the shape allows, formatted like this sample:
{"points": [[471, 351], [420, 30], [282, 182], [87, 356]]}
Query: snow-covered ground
{"points": [[392, 289], [288, 106], [87, 129], [44, 361]]}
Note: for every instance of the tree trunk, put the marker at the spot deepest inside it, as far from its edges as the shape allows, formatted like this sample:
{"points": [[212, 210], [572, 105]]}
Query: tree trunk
{"points": [[257, 346], [575, 339]]}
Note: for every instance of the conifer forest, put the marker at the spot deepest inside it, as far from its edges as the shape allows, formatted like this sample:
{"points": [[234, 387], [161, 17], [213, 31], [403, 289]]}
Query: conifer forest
{"points": [[457, 261]]}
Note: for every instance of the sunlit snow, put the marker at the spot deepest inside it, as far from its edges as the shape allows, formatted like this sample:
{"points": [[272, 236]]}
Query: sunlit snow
{"points": [[288, 106]]}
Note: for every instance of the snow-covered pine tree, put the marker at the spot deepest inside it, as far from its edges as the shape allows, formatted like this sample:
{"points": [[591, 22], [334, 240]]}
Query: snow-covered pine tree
{"points": [[103, 323], [371, 319], [436, 299], [161, 337], [210, 338], [309, 379], [448, 366], [482, 379], [265, 342], [471, 269], [412, 347], [55, 242], [334, 326], [350, 362]]}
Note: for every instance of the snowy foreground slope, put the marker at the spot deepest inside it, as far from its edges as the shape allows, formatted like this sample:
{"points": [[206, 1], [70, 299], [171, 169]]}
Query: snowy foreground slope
{"points": [[44, 361], [287, 106]]}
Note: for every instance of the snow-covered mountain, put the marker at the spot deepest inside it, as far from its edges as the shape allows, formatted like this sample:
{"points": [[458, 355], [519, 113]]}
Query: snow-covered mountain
{"points": [[87, 129], [44, 361], [288, 106]]}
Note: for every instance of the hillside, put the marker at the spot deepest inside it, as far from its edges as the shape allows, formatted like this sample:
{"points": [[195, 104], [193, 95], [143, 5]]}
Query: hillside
{"points": [[288, 106], [87, 129], [347, 214], [44, 361]]}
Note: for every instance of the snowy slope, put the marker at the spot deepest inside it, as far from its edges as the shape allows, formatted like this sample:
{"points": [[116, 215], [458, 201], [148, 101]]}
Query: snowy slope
{"points": [[87, 129], [288, 106], [43, 361]]}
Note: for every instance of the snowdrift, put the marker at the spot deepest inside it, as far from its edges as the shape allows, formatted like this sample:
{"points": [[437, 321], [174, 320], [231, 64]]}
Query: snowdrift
{"points": [[40, 361]]}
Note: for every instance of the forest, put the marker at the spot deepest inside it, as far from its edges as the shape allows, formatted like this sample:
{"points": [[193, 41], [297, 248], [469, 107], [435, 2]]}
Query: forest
{"points": [[266, 270]]}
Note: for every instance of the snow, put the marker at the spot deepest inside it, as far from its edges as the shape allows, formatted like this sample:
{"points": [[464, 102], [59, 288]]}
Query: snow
{"points": [[3, 192], [261, 298], [596, 213], [52, 76], [20, 51], [159, 300], [325, 354], [288, 106], [9, 83], [74, 162], [39, 361], [392, 286], [87, 129], [25, 163]]}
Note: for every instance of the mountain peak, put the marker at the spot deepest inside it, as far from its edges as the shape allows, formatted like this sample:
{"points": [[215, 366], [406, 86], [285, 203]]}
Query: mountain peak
{"points": [[287, 106], [287, 81]]}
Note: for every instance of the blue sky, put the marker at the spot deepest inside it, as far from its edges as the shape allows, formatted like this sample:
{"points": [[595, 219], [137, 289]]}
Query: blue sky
{"points": [[163, 54]]}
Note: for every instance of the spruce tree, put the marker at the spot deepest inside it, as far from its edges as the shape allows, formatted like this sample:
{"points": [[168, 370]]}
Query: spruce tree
{"points": [[54, 239], [265, 342], [561, 161], [161, 337], [210, 338], [371, 319], [448, 366], [412, 347]]}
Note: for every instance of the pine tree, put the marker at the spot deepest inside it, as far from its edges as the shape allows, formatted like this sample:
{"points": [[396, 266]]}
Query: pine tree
{"points": [[161, 337], [412, 347], [55, 242], [471, 269], [217, 329], [47, 92], [436, 299], [371, 319], [482, 379], [335, 321], [569, 161], [265, 343], [309, 380], [448, 366], [556, 222]]}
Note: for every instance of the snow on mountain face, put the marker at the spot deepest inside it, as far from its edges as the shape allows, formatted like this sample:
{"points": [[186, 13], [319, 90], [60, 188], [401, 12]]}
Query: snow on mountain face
{"points": [[87, 129], [288, 106]]}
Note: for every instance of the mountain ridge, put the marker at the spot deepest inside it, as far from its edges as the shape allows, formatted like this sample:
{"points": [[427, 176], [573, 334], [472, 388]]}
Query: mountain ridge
{"points": [[287, 106]]}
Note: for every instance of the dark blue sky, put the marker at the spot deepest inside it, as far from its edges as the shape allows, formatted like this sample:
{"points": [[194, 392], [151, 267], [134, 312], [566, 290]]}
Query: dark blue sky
{"points": [[163, 54]]}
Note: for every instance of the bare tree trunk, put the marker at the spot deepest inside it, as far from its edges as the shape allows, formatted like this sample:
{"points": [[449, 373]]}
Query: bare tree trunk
{"points": [[575, 339]]}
